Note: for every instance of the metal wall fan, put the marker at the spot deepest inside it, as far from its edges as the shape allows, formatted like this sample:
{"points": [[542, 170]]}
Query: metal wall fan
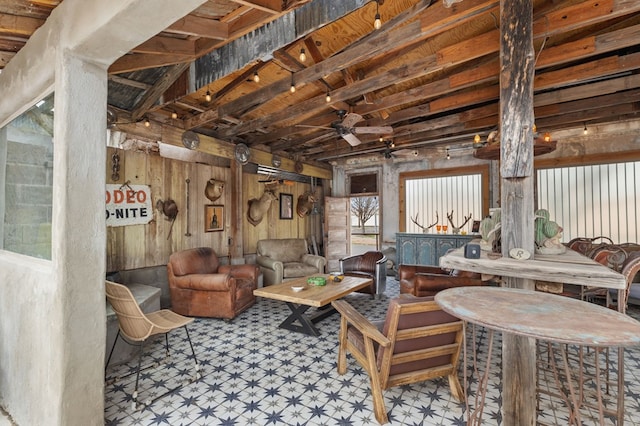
{"points": [[346, 127]]}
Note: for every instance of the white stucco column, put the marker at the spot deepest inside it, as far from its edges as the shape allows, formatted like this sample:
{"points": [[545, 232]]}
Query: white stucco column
{"points": [[78, 236]]}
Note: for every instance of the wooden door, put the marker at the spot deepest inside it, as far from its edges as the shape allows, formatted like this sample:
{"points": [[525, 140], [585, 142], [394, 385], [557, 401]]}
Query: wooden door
{"points": [[337, 238]]}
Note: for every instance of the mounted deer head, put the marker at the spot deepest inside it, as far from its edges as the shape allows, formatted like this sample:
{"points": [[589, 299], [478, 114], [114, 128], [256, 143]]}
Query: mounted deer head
{"points": [[305, 203], [258, 207]]}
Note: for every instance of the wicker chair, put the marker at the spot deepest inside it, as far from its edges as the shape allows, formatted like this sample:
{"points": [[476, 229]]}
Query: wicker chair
{"points": [[136, 327], [417, 341]]}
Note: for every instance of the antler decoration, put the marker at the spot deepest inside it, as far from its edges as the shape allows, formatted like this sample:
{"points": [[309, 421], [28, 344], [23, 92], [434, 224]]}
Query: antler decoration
{"points": [[424, 228], [455, 228]]}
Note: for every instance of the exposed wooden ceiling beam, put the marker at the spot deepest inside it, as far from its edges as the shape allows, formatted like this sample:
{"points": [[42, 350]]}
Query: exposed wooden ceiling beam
{"points": [[200, 27], [152, 95], [478, 46], [19, 25], [270, 6]]}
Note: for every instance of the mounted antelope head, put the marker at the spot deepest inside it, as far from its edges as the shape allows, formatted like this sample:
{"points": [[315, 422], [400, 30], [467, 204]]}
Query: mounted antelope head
{"points": [[305, 203], [258, 207]]}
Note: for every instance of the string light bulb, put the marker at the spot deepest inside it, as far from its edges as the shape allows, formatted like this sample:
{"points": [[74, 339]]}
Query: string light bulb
{"points": [[174, 115], [448, 155], [303, 55], [207, 96], [147, 123], [256, 77], [547, 137], [292, 89], [377, 23], [328, 97], [476, 138], [585, 131], [392, 144]]}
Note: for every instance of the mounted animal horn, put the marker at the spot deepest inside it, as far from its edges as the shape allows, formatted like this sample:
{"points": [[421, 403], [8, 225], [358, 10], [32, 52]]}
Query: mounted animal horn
{"points": [[214, 189]]}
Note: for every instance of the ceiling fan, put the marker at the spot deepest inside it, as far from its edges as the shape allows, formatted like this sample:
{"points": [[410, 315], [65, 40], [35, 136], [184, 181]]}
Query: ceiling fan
{"points": [[389, 152], [347, 130], [346, 127]]}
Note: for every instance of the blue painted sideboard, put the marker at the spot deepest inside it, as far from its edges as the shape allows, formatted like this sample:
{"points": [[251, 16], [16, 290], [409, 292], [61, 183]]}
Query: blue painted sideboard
{"points": [[426, 249]]}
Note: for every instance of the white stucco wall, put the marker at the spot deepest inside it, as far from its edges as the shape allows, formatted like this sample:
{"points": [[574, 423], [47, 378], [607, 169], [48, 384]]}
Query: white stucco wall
{"points": [[52, 333]]}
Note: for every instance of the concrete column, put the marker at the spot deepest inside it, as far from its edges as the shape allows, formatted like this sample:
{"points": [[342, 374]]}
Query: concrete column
{"points": [[79, 238]]}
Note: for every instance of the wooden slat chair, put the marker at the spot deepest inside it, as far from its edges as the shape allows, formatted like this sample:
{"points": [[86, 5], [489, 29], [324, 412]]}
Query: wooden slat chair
{"points": [[136, 327], [417, 341]]}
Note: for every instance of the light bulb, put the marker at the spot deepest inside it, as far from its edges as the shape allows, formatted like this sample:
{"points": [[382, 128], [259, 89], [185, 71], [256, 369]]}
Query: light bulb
{"points": [[328, 98], [476, 139], [292, 89], [256, 77], [378, 22], [448, 156], [547, 137], [174, 115], [147, 123], [303, 55], [392, 145], [535, 128], [585, 131], [207, 96]]}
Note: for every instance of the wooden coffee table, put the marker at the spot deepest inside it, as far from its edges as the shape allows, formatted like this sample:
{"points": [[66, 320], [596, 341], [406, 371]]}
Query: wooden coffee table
{"points": [[310, 296]]}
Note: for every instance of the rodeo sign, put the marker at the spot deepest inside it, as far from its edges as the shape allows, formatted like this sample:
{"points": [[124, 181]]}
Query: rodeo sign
{"points": [[128, 205]]}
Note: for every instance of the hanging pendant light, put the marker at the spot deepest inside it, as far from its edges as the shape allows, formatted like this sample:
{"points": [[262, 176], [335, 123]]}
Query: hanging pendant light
{"points": [[256, 77], [292, 89], [303, 55], [207, 96], [377, 23]]}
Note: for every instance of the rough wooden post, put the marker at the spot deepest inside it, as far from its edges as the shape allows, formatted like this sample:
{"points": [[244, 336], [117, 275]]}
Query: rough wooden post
{"points": [[516, 154], [236, 249]]}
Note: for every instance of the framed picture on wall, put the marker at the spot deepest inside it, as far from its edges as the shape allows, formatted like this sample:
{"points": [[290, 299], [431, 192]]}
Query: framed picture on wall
{"points": [[286, 206], [213, 217]]}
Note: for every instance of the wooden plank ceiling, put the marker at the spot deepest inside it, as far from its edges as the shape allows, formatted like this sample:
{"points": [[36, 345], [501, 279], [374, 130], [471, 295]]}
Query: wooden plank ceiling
{"points": [[430, 73]]}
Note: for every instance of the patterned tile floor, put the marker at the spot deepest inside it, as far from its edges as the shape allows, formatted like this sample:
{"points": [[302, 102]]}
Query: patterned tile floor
{"points": [[254, 373]]}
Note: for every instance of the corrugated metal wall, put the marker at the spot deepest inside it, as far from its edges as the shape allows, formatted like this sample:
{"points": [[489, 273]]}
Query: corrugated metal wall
{"points": [[593, 200], [462, 194]]}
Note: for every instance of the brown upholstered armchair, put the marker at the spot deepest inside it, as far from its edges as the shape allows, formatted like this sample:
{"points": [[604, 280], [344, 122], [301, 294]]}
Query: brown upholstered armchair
{"points": [[372, 264], [423, 280], [201, 287]]}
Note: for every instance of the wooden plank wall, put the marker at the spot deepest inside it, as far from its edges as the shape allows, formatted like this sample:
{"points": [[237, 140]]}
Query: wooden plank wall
{"points": [[272, 226], [137, 246]]}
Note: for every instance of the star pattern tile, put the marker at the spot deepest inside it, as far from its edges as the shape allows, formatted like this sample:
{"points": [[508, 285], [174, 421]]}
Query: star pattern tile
{"points": [[255, 373]]}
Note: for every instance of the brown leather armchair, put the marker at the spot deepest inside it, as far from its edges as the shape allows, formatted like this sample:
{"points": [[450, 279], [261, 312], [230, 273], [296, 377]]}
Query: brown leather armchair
{"points": [[373, 265], [201, 287], [423, 280]]}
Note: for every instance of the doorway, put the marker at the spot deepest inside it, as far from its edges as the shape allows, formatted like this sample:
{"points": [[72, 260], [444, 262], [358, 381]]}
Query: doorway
{"points": [[365, 224]]}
